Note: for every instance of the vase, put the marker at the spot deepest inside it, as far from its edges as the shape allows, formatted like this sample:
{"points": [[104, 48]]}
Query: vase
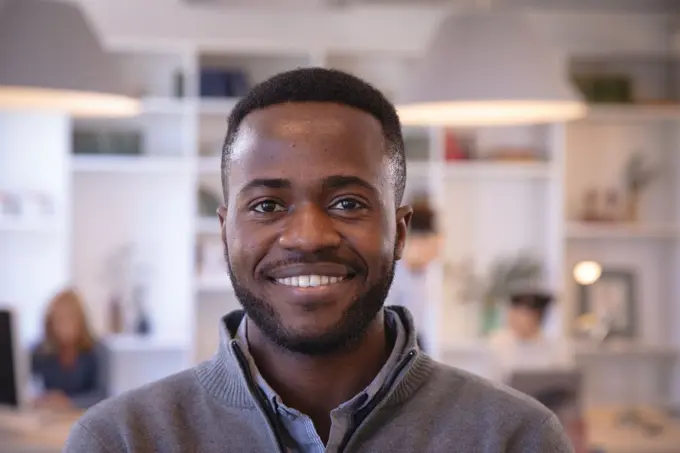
{"points": [[633, 206], [143, 324], [115, 315]]}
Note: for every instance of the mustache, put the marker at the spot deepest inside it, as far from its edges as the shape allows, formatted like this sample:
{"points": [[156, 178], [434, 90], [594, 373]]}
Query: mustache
{"points": [[312, 258]]}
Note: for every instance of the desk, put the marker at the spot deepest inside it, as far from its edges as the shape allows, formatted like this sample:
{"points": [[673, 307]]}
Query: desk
{"points": [[649, 369], [605, 434], [34, 432]]}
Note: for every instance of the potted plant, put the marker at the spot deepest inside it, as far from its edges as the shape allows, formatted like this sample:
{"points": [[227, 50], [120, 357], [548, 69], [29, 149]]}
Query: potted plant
{"points": [[504, 276]]}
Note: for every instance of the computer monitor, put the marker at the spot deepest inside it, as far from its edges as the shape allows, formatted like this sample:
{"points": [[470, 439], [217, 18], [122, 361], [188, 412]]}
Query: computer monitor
{"points": [[10, 393], [561, 392]]}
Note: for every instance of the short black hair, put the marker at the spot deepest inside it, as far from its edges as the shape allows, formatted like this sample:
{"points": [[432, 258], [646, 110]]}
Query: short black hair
{"points": [[423, 219], [322, 85], [536, 301]]}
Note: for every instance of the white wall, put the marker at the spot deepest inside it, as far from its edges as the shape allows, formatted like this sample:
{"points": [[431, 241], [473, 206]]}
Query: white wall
{"points": [[34, 258], [151, 209]]}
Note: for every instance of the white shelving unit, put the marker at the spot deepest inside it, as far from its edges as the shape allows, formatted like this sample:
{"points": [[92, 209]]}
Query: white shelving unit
{"points": [[591, 230], [487, 208], [597, 150], [128, 165]]}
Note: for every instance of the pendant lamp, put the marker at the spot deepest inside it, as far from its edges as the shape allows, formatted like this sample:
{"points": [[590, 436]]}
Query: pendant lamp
{"points": [[489, 69], [51, 60]]}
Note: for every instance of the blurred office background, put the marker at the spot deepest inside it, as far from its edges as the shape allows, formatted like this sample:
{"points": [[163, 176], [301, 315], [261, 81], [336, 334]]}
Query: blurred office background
{"points": [[123, 207]]}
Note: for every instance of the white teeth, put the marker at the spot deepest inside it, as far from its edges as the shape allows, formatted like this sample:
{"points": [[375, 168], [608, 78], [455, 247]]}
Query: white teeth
{"points": [[306, 281]]}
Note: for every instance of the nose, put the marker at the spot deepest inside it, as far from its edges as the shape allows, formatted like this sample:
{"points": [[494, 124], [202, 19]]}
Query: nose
{"points": [[309, 229]]}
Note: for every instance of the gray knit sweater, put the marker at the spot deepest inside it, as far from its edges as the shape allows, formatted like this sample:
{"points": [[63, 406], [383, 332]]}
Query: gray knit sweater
{"points": [[424, 407]]}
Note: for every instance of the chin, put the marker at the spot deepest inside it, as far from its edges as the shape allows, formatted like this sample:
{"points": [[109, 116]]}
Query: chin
{"points": [[313, 320], [318, 341]]}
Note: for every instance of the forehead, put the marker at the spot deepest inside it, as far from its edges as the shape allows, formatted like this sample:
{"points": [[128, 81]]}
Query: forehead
{"points": [[307, 142]]}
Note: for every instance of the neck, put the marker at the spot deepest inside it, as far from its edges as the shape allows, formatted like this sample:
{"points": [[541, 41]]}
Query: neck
{"points": [[315, 385]]}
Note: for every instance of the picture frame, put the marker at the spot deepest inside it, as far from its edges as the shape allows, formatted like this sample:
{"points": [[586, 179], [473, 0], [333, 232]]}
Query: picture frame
{"points": [[616, 293]]}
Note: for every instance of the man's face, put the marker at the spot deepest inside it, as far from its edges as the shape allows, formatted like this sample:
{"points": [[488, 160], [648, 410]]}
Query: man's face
{"points": [[310, 228]]}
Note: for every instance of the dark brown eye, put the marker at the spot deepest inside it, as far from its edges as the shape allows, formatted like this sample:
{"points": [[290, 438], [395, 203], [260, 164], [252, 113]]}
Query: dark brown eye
{"points": [[268, 206], [348, 204]]}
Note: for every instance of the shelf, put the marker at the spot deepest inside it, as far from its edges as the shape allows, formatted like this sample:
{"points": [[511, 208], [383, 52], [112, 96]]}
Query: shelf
{"points": [[160, 105], [498, 170], [138, 343], [215, 106], [624, 348], [178, 106], [208, 225], [218, 284], [594, 230], [623, 112], [129, 164], [28, 226], [610, 348]]}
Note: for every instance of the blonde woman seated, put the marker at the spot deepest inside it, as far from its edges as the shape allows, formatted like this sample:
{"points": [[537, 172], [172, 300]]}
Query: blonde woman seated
{"points": [[68, 362]]}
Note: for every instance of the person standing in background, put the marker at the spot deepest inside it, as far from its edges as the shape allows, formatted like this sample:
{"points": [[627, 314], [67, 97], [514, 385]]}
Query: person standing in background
{"points": [[68, 362], [410, 288]]}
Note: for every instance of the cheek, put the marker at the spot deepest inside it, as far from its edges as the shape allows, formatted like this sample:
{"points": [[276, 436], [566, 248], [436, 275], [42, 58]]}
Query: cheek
{"points": [[244, 246]]}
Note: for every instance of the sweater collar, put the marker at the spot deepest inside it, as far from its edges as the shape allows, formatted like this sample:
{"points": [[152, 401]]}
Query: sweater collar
{"points": [[227, 378]]}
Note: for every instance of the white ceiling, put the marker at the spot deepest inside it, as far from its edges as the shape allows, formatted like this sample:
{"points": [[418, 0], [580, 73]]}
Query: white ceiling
{"points": [[637, 6]]}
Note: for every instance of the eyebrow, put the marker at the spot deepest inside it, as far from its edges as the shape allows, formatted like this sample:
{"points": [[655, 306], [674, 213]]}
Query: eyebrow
{"points": [[269, 183], [331, 182], [340, 181]]}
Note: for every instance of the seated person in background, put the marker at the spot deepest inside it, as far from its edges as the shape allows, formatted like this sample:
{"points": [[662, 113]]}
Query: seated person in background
{"points": [[68, 363], [409, 288], [522, 344]]}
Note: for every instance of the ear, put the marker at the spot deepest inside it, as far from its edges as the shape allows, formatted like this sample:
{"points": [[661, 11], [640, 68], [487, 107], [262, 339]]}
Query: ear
{"points": [[222, 214], [404, 214]]}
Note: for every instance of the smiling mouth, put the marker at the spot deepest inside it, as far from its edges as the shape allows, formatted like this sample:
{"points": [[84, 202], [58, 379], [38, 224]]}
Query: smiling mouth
{"points": [[311, 281]]}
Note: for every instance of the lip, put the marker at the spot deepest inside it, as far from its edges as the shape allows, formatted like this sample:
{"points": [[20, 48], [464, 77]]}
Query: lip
{"points": [[314, 297], [326, 268]]}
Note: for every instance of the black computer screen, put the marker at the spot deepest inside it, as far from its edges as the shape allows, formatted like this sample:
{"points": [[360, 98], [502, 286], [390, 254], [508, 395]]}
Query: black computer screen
{"points": [[8, 387]]}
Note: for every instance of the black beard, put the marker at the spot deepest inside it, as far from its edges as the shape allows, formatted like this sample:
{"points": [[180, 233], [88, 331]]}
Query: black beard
{"points": [[343, 336]]}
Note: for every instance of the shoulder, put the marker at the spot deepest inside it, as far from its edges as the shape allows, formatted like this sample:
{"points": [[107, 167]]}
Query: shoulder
{"points": [[144, 401], [117, 420], [497, 415], [487, 397], [39, 355]]}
